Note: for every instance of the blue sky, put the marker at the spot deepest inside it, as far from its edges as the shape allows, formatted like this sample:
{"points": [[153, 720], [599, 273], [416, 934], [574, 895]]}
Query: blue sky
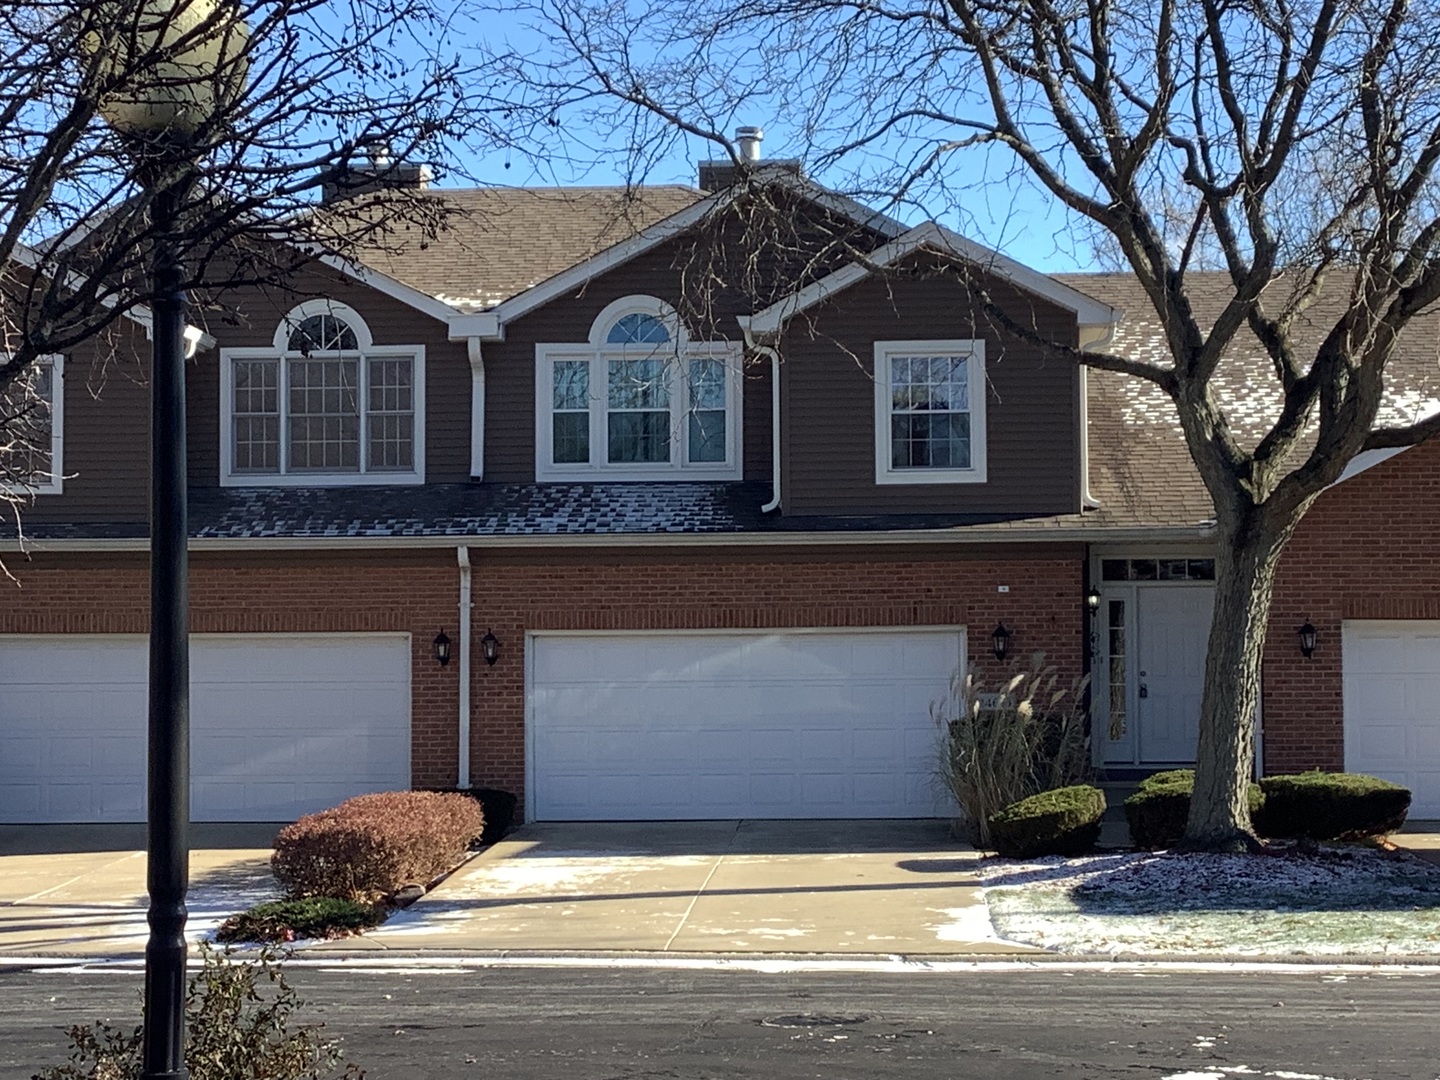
{"points": [[1003, 212]]}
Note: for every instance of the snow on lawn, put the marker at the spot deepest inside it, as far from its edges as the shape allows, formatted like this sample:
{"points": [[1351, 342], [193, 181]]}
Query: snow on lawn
{"points": [[1332, 902]]}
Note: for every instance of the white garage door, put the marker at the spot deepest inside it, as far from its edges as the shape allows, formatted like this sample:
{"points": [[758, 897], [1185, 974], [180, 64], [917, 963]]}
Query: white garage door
{"points": [[785, 725], [1392, 706], [281, 725]]}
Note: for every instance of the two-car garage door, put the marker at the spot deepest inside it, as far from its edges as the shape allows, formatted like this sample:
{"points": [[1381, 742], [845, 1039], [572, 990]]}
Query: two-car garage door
{"points": [[281, 725], [1392, 706], [789, 724]]}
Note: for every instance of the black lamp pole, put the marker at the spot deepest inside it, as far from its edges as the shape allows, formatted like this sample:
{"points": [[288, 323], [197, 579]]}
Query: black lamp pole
{"points": [[168, 839]]}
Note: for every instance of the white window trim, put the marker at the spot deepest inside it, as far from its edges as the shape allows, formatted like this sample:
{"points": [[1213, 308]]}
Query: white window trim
{"points": [[229, 478], [885, 472], [56, 484], [597, 353], [344, 312]]}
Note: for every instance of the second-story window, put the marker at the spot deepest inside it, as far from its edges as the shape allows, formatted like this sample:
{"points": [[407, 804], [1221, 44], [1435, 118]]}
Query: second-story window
{"points": [[326, 405], [31, 435], [930, 412], [639, 401]]}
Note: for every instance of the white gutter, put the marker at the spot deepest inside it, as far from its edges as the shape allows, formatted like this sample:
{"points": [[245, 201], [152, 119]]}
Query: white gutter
{"points": [[774, 503], [965, 534], [463, 772], [477, 409]]}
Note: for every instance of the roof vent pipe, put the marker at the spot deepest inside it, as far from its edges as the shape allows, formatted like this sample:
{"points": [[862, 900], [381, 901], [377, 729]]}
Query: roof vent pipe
{"points": [[749, 139]]}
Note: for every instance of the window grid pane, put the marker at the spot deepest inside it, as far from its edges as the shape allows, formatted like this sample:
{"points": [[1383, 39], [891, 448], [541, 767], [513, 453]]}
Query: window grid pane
{"points": [[637, 329], [30, 433], [322, 333], [636, 437], [391, 416], [930, 412], [324, 416], [256, 416]]}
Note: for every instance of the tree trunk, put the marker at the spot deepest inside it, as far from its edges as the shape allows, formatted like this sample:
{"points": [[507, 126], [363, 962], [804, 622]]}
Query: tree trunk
{"points": [[1250, 543]]}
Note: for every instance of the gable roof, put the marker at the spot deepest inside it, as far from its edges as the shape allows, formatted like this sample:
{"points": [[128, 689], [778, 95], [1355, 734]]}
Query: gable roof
{"points": [[1140, 468], [498, 242], [931, 236]]}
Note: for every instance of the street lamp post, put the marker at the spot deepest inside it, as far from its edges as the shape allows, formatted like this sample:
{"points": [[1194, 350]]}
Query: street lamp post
{"points": [[166, 69]]}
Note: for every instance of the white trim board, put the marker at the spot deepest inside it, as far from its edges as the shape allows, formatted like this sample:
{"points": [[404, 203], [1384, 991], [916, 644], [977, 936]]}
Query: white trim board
{"points": [[1088, 311]]}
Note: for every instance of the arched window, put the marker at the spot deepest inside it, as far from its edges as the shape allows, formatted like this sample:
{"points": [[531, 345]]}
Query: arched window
{"points": [[641, 401], [637, 328], [324, 405], [323, 333]]}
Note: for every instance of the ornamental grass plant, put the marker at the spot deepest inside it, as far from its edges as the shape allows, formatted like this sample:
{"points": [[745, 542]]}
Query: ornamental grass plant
{"points": [[1001, 744]]}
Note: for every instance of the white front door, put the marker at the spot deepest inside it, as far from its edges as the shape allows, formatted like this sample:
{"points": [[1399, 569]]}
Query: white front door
{"points": [[1174, 628]]}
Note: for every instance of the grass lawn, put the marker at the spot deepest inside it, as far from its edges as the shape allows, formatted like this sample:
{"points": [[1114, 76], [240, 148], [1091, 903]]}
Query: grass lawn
{"points": [[1340, 901]]}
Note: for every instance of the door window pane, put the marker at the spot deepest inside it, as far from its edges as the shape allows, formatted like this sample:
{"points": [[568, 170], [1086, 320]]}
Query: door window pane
{"points": [[1115, 639]]}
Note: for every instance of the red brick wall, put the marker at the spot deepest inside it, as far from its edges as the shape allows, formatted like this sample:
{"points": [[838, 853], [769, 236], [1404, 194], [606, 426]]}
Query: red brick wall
{"points": [[514, 593], [1368, 549], [1042, 609]]}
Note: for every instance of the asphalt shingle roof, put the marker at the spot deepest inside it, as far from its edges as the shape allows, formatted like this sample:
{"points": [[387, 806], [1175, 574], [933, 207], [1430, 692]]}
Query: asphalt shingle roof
{"points": [[498, 242]]}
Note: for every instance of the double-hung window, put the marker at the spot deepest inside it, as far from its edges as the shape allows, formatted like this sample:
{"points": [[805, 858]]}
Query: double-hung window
{"points": [[930, 412], [640, 401], [324, 406], [31, 436]]}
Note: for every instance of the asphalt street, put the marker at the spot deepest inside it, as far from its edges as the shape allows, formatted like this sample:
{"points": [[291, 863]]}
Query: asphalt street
{"points": [[609, 1024]]}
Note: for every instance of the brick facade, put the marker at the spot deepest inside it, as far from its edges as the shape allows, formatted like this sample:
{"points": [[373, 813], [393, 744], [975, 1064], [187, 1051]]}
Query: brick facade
{"points": [[1368, 549], [516, 592]]}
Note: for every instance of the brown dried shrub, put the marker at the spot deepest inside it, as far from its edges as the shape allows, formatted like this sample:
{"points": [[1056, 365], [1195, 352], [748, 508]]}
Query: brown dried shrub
{"points": [[369, 846]]}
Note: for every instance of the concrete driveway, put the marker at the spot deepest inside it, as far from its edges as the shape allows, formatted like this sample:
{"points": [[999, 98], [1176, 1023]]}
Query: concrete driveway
{"points": [[79, 890], [879, 887]]}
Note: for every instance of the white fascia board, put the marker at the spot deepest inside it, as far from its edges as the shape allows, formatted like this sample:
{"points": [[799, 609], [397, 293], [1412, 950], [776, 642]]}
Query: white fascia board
{"points": [[975, 534], [1088, 311], [648, 238], [31, 259], [384, 283]]}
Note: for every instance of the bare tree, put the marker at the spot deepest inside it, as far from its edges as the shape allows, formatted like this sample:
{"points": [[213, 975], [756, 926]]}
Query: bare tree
{"points": [[310, 96], [1293, 145]]}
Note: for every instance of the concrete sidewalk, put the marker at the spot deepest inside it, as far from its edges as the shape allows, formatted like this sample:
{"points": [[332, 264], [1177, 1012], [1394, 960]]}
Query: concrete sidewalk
{"points": [[706, 887], [79, 890]]}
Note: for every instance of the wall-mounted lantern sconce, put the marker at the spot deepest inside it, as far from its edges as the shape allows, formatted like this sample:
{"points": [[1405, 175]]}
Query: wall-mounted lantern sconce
{"points": [[1092, 601], [1000, 641], [490, 648], [442, 648], [1307, 639]]}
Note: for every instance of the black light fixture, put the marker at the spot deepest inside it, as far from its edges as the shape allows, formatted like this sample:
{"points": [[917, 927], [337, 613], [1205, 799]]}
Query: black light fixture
{"points": [[442, 648], [1000, 641], [490, 647], [1092, 601], [1307, 639]]}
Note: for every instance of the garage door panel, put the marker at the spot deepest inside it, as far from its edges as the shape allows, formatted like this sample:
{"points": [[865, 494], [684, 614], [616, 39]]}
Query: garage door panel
{"points": [[1392, 706], [280, 725], [830, 724]]}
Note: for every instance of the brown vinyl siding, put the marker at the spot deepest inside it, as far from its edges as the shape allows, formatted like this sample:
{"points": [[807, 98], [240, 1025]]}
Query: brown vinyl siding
{"points": [[447, 369], [510, 364], [106, 434], [828, 402]]}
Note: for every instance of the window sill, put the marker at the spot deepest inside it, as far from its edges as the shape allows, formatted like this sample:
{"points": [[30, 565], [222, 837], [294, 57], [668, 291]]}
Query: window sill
{"points": [[931, 476], [303, 480]]}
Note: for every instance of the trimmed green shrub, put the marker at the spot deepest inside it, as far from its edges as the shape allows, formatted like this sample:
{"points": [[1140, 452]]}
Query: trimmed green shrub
{"points": [[1158, 810], [369, 846], [1331, 806], [1065, 821], [279, 921]]}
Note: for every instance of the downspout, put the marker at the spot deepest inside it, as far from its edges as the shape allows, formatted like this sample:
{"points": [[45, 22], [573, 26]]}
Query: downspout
{"points": [[463, 772], [1087, 500], [766, 350], [477, 409]]}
